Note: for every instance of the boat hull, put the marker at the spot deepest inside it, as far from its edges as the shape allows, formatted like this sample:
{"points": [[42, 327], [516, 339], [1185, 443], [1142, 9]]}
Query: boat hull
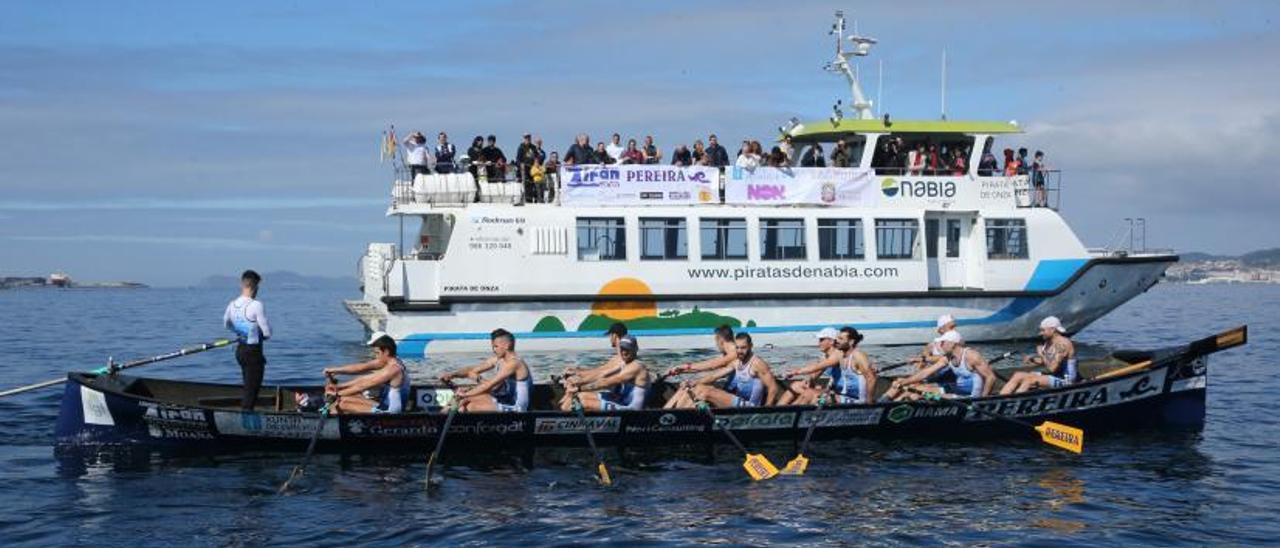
{"points": [[100, 410], [780, 320]]}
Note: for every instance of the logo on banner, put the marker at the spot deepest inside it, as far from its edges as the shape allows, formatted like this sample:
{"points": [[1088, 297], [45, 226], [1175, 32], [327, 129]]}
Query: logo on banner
{"points": [[766, 192], [889, 187]]}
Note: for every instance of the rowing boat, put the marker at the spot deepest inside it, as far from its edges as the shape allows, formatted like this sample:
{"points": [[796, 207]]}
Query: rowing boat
{"points": [[1130, 390]]}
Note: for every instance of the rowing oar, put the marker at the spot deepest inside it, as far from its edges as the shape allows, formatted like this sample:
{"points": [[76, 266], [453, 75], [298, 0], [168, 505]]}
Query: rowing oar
{"points": [[602, 472], [1052, 433], [329, 401], [444, 430], [798, 465], [113, 367], [757, 466]]}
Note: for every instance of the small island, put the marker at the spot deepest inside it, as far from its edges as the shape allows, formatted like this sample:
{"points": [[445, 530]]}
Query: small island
{"points": [[62, 280]]}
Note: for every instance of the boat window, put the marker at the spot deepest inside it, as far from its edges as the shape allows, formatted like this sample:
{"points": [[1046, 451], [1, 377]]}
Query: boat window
{"points": [[894, 152], [781, 239], [1007, 239], [840, 239], [723, 239], [601, 239], [664, 239], [896, 238], [953, 238]]}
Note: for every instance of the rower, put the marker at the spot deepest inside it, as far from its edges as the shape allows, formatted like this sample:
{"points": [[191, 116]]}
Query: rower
{"points": [[385, 371], [508, 390], [622, 388], [853, 379], [931, 350], [750, 382], [802, 390], [611, 365], [724, 343], [1057, 355], [973, 375]]}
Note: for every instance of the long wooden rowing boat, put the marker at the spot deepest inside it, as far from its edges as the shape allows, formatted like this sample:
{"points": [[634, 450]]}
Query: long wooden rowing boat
{"points": [[1162, 388]]}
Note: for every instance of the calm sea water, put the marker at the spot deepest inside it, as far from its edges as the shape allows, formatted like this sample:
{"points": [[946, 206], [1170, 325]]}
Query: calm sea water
{"points": [[1218, 486]]}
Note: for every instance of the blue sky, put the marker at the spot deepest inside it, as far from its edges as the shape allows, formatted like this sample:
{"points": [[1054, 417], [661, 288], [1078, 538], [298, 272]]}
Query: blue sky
{"points": [[163, 142]]}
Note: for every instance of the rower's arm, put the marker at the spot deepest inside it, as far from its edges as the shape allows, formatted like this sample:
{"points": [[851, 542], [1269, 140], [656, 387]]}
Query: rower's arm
{"points": [[938, 363], [507, 369], [819, 366], [765, 374], [983, 367], [596, 373], [868, 377], [360, 384], [1053, 364], [352, 368], [710, 363], [609, 381], [473, 370], [713, 376]]}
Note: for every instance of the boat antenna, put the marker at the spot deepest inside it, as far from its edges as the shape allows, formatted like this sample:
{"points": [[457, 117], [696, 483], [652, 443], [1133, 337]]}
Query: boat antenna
{"points": [[843, 64], [880, 88], [944, 83]]}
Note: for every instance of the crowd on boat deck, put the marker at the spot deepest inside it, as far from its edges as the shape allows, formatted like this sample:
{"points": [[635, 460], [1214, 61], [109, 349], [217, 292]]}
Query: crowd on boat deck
{"points": [[735, 377], [533, 166]]}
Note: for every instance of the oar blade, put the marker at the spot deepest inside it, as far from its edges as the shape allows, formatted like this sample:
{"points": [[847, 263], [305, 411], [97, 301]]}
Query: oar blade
{"points": [[602, 472], [1063, 436], [759, 467], [796, 466]]}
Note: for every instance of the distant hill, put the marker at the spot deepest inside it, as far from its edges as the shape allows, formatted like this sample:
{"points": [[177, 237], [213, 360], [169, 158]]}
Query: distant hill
{"points": [[1196, 257], [1262, 258], [284, 279]]}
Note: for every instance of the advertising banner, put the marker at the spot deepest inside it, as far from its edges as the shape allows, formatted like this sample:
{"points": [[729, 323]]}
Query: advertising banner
{"points": [[835, 186], [638, 185]]}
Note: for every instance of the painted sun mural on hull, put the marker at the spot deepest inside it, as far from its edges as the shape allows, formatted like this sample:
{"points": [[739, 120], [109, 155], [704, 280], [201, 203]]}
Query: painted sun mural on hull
{"points": [[639, 313]]}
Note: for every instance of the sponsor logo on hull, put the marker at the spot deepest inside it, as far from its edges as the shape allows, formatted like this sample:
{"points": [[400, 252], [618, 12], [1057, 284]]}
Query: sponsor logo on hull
{"points": [[828, 418], [1079, 399], [906, 412], [574, 425], [668, 422], [263, 425], [175, 422], [758, 421]]}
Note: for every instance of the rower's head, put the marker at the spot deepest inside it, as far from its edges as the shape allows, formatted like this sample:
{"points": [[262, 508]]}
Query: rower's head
{"points": [[946, 323], [249, 281], [502, 341], [616, 331], [628, 348], [848, 338], [742, 341], [383, 346], [1051, 326], [950, 342], [723, 335], [826, 338]]}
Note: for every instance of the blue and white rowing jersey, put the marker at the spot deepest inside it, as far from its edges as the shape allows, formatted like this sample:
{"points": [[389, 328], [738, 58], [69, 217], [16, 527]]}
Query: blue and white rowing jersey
{"points": [[744, 384], [848, 385], [627, 395], [967, 381], [247, 318], [513, 395], [1068, 371], [391, 398]]}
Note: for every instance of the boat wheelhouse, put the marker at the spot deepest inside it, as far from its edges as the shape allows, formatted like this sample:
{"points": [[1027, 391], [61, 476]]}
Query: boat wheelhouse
{"points": [[779, 252]]}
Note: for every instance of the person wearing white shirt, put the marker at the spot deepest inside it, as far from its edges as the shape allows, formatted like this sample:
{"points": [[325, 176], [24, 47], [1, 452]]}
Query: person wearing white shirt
{"points": [[420, 160], [615, 148], [248, 319]]}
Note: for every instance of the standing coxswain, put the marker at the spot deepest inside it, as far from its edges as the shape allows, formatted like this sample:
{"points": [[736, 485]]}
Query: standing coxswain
{"points": [[247, 318]]}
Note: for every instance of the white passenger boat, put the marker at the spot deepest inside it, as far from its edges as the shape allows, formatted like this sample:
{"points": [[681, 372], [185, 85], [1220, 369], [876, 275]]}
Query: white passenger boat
{"points": [[674, 252]]}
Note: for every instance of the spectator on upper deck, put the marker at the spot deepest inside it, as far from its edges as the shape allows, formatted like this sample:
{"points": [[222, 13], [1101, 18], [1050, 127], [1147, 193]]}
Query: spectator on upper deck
{"points": [[475, 155], [445, 153], [748, 159], [933, 161], [1037, 180], [416, 155], [717, 156], [916, 159], [778, 158], [699, 153], [813, 157], [988, 165], [1023, 164], [788, 149], [682, 157], [495, 160], [840, 154], [614, 148], [651, 153], [632, 154], [1011, 166], [960, 162], [602, 155], [553, 177], [527, 156], [580, 152]]}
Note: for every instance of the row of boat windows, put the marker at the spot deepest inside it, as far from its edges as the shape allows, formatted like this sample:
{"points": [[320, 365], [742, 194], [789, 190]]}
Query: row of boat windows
{"points": [[725, 239]]}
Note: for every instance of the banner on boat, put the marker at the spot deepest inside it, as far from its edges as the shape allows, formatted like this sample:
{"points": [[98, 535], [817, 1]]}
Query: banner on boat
{"points": [[836, 186], [638, 185]]}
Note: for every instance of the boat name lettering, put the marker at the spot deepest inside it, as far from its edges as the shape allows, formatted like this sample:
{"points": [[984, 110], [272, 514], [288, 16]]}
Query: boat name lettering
{"points": [[471, 289], [759, 421], [574, 425], [827, 418], [487, 220], [995, 189], [1074, 400]]}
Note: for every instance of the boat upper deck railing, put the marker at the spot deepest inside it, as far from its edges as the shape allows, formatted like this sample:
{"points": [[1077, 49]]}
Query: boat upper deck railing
{"points": [[458, 186]]}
